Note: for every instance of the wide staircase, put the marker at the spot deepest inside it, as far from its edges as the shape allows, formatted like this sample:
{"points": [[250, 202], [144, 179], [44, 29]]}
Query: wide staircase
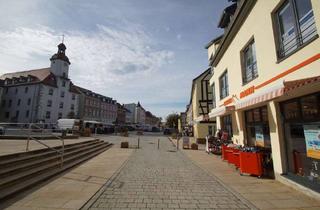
{"points": [[24, 170]]}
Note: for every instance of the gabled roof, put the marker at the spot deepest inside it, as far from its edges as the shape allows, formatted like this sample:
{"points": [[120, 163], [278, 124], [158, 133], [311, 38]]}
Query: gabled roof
{"points": [[195, 79], [213, 41], [40, 74], [93, 94]]}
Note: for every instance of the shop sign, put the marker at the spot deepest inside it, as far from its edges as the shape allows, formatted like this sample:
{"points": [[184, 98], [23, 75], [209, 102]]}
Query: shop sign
{"points": [[312, 138], [247, 92], [229, 101]]}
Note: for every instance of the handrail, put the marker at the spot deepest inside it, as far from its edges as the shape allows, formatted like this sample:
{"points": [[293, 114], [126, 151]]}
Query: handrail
{"points": [[37, 140]]}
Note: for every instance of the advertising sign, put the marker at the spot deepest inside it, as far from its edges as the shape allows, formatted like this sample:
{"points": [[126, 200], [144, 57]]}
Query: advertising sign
{"points": [[185, 142], [259, 136], [312, 138]]}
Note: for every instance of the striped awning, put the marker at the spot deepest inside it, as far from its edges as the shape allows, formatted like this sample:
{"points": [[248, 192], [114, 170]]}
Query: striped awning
{"points": [[202, 118], [221, 111], [275, 91], [261, 96], [292, 85]]}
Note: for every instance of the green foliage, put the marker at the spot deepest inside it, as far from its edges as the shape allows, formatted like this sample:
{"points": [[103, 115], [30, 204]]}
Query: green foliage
{"points": [[172, 120]]}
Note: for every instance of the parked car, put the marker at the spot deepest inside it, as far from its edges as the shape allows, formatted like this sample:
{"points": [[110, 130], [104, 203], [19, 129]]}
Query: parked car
{"points": [[169, 131]]}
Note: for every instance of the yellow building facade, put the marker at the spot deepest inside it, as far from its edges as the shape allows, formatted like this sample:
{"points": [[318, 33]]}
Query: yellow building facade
{"points": [[200, 105], [266, 79]]}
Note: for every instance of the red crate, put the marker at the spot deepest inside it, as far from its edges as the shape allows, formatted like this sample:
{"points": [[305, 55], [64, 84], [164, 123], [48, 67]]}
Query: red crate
{"points": [[231, 158], [234, 158], [251, 163], [223, 151]]}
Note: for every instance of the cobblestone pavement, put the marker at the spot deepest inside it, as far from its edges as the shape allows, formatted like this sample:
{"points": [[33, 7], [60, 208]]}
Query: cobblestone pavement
{"points": [[165, 179]]}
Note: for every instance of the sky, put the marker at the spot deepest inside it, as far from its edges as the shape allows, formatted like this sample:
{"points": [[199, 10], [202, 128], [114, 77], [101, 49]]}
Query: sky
{"points": [[130, 50]]}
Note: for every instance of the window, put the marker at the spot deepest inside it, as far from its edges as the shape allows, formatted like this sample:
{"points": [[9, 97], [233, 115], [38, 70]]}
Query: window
{"points": [[3, 103], [226, 125], [7, 115], [50, 91], [26, 89], [61, 105], [213, 96], [72, 106], [10, 103], [48, 115], [29, 101], [257, 127], [249, 68], [49, 103], [62, 94], [64, 74], [295, 25], [224, 86], [19, 102], [27, 113], [17, 114], [7, 89], [73, 96], [59, 115], [63, 83], [302, 109], [16, 91]]}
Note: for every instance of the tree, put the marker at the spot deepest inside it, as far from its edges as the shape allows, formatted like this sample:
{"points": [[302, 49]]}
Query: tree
{"points": [[172, 120], [71, 115]]}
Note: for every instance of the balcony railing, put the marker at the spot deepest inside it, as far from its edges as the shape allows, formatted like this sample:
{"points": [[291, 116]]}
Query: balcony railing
{"points": [[292, 41]]}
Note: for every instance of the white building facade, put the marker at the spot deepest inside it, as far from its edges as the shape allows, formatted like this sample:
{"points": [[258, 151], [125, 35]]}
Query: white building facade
{"points": [[40, 95]]}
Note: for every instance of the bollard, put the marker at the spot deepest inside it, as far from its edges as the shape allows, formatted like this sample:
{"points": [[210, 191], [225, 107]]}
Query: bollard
{"points": [[158, 143], [178, 144], [138, 142]]}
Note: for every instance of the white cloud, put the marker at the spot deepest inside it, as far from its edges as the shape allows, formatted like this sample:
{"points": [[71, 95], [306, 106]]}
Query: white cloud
{"points": [[105, 57], [123, 64]]}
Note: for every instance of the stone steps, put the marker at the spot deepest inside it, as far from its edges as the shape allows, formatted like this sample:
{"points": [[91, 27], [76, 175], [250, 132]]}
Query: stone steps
{"points": [[32, 167]]}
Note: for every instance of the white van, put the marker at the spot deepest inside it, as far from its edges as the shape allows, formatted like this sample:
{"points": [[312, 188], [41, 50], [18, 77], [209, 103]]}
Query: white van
{"points": [[69, 124]]}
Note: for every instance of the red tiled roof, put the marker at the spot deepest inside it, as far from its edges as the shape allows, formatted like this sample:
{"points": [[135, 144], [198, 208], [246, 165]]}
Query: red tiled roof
{"points": [[41, 74]]}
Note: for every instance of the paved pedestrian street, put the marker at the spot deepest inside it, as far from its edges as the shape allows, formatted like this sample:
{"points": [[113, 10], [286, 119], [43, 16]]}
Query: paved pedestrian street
{"points": [[165, 179]]}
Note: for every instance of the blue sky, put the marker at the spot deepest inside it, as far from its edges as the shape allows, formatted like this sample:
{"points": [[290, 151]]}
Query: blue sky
{"points": [[131, 50]]}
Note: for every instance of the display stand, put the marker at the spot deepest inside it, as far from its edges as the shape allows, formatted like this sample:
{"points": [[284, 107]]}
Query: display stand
{"points": [[251, 163], [234, 158]]}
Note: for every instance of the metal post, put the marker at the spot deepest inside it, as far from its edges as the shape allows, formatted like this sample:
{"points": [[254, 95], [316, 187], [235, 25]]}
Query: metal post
{"points": [[138, 142], [62, 153], [29, 127], [177, 144], [158, 143]]}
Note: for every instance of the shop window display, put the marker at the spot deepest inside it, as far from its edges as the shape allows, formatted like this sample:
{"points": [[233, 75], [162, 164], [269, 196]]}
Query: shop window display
{"points": [[257, 125], [302, 132]]}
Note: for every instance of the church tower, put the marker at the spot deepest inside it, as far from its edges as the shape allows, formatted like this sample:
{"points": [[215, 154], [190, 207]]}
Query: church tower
{"points": [[60, 62]]}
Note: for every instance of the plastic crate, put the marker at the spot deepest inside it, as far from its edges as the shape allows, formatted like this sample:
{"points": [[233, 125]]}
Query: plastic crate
{"points": [[251, 163]]}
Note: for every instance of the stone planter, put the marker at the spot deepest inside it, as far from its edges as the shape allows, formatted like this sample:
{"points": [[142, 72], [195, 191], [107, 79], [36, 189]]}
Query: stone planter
{"points": [[194, 146], [124, 144]]}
